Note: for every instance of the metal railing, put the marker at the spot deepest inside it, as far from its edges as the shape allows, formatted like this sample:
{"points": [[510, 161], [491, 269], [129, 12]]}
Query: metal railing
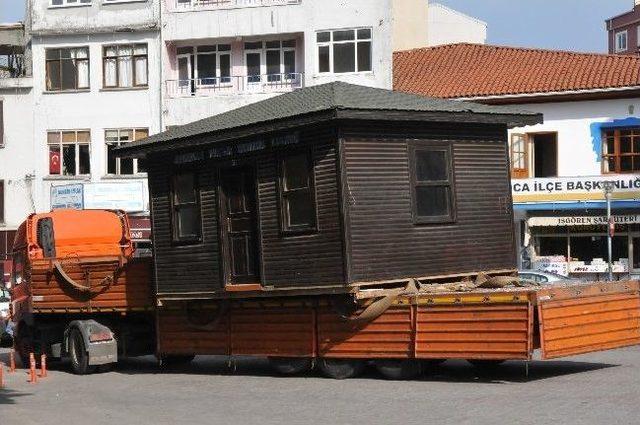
{"points": [[203, 87], [179, 5]]}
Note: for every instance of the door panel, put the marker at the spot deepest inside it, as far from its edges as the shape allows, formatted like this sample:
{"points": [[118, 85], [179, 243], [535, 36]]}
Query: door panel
{"points": [[239, 218]]}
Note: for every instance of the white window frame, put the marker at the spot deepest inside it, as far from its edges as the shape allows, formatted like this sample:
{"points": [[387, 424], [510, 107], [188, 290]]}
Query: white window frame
{"points": [[331, 43], [119, 142], [217, 53], [61, 144], [71, 3], [618, 38], [263, 59], [132, 63]]}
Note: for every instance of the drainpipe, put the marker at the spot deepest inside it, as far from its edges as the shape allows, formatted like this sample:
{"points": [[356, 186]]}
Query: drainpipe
{"points": [[161, 65]]}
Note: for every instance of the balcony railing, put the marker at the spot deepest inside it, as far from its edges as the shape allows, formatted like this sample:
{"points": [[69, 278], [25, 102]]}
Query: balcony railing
{"points": [[184, 5], [203, 87]]}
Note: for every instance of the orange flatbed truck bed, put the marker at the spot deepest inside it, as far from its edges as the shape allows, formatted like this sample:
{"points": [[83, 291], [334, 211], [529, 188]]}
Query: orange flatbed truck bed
{"points": [[79, 292]]}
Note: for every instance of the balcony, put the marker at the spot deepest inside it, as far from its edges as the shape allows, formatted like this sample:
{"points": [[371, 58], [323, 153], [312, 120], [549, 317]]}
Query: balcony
{"points": [[194, 5], [258, 84]]}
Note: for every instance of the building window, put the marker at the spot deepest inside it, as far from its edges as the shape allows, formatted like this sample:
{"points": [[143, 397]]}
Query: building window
{"points": [[276, 59], [519, 156], [621, 150], [125, 66], [69, 152], [621, 41], [343, 51], [2, 202], [67, 69], [186, 208], [117, 166], [69, 2], [297, 198], [432, 179], [213, 64]]}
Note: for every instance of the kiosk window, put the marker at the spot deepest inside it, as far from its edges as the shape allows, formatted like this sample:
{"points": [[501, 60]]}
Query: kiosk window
{"points": [[186, 223], [432, 178], [297, 200]]}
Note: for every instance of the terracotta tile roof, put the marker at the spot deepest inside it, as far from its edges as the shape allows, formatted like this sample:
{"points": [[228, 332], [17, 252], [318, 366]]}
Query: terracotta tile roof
{"points": [[475, 70]]}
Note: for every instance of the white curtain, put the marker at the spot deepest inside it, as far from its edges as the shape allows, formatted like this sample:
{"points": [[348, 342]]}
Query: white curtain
{"points": [[110, 72], [125, 71], [141, 71], [82, 64]]}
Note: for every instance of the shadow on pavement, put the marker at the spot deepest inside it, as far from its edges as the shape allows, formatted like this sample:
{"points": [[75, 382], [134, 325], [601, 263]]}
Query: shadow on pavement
{"points": [[8, 396], [453, 371]]}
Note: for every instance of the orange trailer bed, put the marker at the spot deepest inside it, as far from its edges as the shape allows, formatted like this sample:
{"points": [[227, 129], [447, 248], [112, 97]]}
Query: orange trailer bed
{"points": [[488, 324]]}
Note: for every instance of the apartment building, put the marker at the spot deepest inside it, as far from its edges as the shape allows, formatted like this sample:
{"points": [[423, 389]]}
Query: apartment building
{"points": [[623, 31], [590, 135], [222, 54]]}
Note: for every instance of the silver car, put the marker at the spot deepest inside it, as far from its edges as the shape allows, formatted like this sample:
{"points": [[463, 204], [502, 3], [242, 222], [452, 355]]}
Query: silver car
{"points": [[543, 277]]}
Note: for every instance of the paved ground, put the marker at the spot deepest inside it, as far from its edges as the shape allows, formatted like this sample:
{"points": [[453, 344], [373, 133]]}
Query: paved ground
{"points": [[602, 388]]}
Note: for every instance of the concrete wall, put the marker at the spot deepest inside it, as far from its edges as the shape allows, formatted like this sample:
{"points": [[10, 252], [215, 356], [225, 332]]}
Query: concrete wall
{"points": [[409, 29], [97, 16], [17, 163], [578, 125], [95, 109], [448, 26]]}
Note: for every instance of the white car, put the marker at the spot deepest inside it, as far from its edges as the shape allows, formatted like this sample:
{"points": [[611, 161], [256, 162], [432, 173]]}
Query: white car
{"points": [[544, 277], [5, 300]]}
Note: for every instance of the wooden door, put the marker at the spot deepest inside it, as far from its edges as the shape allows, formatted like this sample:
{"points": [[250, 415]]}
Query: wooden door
{"points": [[519, 157], [239, 218]]}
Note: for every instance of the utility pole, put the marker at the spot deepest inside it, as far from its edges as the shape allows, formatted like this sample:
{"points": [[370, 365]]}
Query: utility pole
{"points": [[608, 187]]}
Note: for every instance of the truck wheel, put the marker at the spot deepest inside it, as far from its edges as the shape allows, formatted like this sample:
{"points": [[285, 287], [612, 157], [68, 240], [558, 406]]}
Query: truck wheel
{"points": [[78, 354], [485, 364], [341, 368], [291, 365], [398, 369], [171, 360]]}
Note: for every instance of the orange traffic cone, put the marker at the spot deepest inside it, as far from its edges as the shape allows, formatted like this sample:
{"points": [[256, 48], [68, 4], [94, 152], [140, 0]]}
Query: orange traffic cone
{"points": [[1, 375], [32, 369], [43, 366], [12, 361]]}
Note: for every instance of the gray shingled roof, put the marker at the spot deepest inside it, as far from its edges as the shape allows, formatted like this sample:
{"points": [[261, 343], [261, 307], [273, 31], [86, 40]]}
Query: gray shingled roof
{"points": [[325, 97]]}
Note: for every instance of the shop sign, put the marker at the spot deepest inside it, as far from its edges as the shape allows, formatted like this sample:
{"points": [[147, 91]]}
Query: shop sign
{"points": [[574, 188], [558, 267], [67, 196], [617, 267], [581, 221]]}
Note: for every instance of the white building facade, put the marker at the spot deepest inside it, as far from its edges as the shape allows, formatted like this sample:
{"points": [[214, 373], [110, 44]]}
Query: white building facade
{"points": [[224, 54], [449, 26]]}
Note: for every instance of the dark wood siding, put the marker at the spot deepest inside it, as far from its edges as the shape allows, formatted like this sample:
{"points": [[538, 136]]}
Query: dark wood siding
{"points": [[384, 241], [184, 268], [303, 260]]}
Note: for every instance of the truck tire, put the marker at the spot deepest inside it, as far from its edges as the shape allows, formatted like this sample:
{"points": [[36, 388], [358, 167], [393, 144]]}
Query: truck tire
{"points": [[396, 369], [78, 354], [485, 364], [341, 368], [291, 365], [172, 360]]}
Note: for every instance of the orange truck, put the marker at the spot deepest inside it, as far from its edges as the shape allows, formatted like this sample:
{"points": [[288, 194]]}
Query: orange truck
{"points": [[78, 290]]}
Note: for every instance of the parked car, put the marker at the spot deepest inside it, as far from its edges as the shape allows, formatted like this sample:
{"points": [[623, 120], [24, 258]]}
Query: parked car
{"points": [[5, 299], [544, 277]]}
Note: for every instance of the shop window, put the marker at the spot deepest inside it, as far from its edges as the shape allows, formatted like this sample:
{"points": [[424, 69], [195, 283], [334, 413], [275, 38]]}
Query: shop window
{"points": [[519, 156], [185, 204], [343, 51], [621, 150], [67, 69], [125, 66], [69, 152], [117, 166], [297, 198], [432, 179]]}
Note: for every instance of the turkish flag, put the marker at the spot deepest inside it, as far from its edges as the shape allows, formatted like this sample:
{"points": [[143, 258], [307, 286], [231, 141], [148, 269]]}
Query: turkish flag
{"points": [[54, 162]]}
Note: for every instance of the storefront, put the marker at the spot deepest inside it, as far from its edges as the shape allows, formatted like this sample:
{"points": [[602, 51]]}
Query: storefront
{"points": [[562, 225]]}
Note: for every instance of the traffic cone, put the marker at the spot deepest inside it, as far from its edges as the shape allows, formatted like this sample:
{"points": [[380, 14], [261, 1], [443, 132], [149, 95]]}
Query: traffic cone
{"points": [[43, 366], [1, 375], [12, 361], [32, 369]]}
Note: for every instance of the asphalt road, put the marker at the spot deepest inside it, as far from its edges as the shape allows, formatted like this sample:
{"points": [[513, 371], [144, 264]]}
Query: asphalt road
{"points": [[600, 388]]}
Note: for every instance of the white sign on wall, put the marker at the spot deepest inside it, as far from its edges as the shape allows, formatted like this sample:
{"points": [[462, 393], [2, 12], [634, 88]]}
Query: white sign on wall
{"points": [[127, 196], [67, 196], [585, 188]]}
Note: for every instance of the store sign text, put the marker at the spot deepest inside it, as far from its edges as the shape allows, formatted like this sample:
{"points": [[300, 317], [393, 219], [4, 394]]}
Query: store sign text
{"points": [[572, 188]]}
